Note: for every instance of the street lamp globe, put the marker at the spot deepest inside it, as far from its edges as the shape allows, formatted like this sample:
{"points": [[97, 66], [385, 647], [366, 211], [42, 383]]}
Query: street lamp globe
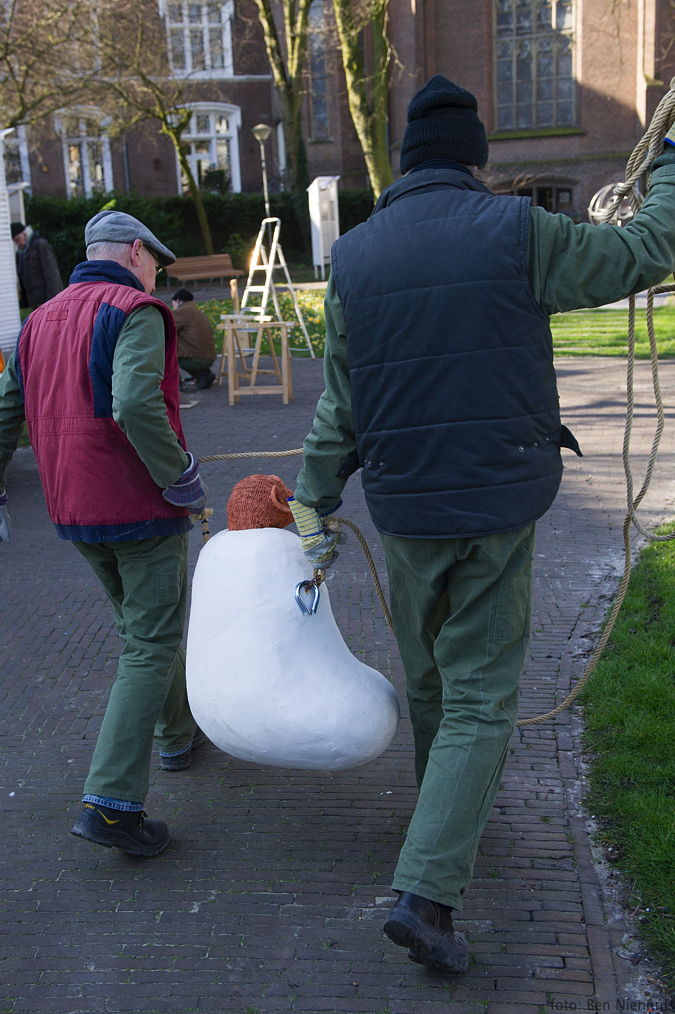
{"points": [[261, 132]]}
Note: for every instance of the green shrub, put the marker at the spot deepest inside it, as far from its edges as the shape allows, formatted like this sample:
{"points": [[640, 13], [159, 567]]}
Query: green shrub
{"points": [[355, 206], [234, 220]]}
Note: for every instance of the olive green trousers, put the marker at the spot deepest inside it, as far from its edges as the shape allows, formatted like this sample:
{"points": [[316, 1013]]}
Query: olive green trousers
{"points": [[461, 613], [146, 582]]}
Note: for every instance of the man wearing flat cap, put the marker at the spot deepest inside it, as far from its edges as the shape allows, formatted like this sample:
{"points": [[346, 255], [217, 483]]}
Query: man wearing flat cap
{"points": [[440, 387], [119, 483]]}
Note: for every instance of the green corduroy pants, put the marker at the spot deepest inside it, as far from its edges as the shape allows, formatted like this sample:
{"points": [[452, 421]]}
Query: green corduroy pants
{"points": [[146, 582], [461, 613]]}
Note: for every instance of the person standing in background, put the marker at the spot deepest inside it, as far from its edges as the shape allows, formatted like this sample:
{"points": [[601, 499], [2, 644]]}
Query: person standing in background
{"points": [[36, 267]]}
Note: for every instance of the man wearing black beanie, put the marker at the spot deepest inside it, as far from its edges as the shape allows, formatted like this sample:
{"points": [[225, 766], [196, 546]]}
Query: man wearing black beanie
{"points": [[443, 124], [440, 387]]}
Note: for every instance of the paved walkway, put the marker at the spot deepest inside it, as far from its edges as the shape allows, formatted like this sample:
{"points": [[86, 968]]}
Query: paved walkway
{"points": [[273, 896]]}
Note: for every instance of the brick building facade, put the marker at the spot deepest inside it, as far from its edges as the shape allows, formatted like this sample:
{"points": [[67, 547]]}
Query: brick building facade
{"points": [[564, 87]]}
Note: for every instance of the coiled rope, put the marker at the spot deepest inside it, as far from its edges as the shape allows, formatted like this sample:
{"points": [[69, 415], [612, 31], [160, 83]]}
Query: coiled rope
{"points": [[641, 158], [644, 153]]}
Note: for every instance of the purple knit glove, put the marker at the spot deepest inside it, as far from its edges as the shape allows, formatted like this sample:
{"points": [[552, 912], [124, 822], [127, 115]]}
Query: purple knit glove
{"points": [[187, 491], [5, 520]]}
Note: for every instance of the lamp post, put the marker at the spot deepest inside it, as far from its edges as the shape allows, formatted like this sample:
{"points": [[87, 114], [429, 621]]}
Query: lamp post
{"points": [[261, 132]]}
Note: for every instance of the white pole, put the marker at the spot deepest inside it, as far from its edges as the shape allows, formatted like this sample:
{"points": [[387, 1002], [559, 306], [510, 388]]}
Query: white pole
{"points": [[264, 179], [10, 318]]}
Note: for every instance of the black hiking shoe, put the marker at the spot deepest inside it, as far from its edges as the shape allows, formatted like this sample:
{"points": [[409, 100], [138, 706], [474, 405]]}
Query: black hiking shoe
{"points": [[121, 829], [425, 928], [182, 761]]}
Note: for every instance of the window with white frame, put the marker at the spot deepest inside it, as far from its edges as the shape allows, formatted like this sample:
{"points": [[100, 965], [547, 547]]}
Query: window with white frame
{"points": [[211, 145], [200, 37], [17, 165], [86, 153], [534, 45]]}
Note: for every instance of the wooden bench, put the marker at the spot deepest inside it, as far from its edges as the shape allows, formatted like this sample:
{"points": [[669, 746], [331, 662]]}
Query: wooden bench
{"points": [[209, 266]]}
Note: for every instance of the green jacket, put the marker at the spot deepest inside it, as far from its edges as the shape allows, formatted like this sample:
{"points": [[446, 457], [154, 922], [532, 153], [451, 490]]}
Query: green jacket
{"points": [[570, 266]]}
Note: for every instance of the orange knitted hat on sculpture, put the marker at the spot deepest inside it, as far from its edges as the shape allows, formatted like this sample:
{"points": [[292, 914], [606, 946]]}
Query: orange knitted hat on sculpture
{"points": [[259, 501]]}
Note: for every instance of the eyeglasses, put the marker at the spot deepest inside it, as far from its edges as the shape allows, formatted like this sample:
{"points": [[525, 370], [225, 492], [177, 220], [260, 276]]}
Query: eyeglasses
{"points": [[158, 267]]}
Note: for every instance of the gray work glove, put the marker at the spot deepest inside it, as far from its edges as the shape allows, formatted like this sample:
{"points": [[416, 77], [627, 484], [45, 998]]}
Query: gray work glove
{"points": [[319, 544], [5, 519], [187, 491]]}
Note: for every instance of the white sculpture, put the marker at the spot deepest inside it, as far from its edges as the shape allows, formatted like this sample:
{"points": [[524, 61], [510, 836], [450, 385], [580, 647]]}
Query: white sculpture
{"points": [[267, 681]]}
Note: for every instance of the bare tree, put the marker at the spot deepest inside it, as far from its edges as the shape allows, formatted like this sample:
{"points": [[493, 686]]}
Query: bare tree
{"points": [[46, 58], [136, 84], [284, 24], [61, 54], [367, 85]]}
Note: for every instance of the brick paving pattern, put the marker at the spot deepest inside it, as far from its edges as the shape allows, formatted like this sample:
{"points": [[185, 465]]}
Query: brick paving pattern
{"points": [[273, 895]]}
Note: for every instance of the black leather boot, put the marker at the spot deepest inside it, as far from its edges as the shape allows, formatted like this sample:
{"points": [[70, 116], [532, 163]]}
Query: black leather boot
{"points": [[122, 829], [425, 928]]}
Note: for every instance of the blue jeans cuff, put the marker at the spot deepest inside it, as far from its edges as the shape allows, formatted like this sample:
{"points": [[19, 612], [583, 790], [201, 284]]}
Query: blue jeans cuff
{"points": [[114, 804], [175, 753]]}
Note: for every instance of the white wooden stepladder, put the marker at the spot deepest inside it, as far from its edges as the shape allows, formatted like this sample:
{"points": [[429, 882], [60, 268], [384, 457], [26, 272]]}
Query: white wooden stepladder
{"points": [[267, 258]]}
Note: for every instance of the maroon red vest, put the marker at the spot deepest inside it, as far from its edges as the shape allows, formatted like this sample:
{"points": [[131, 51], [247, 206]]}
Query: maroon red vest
{"points": [[96, 487]]}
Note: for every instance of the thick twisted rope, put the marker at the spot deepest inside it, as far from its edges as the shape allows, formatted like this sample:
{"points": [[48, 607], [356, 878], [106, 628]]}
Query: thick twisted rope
{"points": [[250, 454], [371, 565], [642, 157], [634, 503]]}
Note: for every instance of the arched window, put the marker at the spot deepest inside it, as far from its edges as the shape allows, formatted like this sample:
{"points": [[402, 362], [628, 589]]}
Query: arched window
{"points": [[86, 152], [534, 44], [211, 144]]}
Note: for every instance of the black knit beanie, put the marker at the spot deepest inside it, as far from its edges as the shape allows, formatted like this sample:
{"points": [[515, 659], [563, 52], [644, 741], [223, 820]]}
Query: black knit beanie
{"points": [[183, 295], [443, 123]]}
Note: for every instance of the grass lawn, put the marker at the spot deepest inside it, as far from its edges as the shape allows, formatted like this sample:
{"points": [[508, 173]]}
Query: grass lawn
{"points": [[604, 332], [577, 333], [629, 708]]}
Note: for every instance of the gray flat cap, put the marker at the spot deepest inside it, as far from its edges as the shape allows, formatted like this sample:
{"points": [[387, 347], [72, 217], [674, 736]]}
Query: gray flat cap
{"points": [[118, 227]]}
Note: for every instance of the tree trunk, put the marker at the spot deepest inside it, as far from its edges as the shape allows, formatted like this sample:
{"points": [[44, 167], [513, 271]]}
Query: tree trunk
{"points": [[367, 96], [196, 195], [287, 61], [298, 174]]}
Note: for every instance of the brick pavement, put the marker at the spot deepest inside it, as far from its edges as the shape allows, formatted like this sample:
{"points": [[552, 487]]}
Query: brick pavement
{"points": [[273, 895]]}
